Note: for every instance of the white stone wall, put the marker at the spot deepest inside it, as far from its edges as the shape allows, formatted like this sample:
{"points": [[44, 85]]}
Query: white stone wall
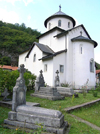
{"points": [[36, 66], [48, 75], [22, 59], [64, 23], [54, 43], [81, 64], [57, 61]]}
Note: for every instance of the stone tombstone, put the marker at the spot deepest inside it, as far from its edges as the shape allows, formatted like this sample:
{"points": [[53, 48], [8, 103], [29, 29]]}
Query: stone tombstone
{"points": [[39, 81], [19, 91], [5, 95], [57, 81]]}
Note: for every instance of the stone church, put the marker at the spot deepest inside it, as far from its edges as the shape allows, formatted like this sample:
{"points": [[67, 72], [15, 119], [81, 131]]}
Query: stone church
{"points": [[63, 47]]}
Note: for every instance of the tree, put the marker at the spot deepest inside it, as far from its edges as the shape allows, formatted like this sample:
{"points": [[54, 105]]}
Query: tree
{"points": [[8, 79]]}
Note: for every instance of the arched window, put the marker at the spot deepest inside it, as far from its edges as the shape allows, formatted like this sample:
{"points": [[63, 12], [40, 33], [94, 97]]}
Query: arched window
{"points": [[91, 65], [68, 24], [49, 26], [81, 49], [59, 23], [34, 58]]}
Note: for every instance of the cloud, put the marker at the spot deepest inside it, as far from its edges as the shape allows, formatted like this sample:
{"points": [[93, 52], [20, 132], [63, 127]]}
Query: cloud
{"points": [[10, 17], [26, 2], [11, 1]]}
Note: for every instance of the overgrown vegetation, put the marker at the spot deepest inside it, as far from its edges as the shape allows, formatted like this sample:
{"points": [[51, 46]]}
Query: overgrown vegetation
{"points": [[8, 79], [14, 39]]}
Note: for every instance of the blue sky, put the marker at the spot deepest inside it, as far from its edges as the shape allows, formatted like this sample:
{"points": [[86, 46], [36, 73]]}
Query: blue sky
{"points": [[34, 12]]}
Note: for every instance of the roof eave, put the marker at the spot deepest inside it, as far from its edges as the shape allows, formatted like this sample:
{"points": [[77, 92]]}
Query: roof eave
{"points": [[87, 40]]}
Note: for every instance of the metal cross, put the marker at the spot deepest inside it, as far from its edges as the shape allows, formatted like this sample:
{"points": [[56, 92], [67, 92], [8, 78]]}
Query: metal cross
{"points": [[59, 7]]}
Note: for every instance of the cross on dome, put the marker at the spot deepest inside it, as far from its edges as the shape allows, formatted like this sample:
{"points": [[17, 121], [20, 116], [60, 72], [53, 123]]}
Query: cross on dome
{"points": [[59, 7]]}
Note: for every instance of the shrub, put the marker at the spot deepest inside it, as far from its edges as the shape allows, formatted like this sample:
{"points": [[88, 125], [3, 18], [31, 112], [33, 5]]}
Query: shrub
{"points": [[65, 84], [8, 79]]}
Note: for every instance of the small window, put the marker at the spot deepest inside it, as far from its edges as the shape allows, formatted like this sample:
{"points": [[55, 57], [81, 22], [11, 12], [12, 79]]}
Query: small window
{"points": [[92, 65], [59, 23], [34, 58], [81, 49], [61, 68], [45, 68], [49, 26], [68, 24]]}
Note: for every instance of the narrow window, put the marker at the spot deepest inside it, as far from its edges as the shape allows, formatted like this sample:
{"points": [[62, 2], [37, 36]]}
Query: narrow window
{"points": [[61, 68], [81, 49], [49, 26], [68, 24], [59, 23], [45, 67], [92, 65], [34, 58]]}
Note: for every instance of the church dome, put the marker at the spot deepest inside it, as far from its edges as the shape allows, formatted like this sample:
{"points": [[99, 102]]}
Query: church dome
{"points": [[60, 15]]}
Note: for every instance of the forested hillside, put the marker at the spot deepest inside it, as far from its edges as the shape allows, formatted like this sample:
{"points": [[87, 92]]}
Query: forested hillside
{"points": [[97, 66], [14, 39]]}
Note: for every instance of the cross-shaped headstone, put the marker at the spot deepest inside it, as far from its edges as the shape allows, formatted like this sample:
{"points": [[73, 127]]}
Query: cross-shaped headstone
{"points": [[57, 72], [21, 70], [41, 72]]}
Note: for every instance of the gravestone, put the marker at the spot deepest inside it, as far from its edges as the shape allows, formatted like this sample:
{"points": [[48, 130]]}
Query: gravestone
{"points": [[46, 92], [19, 91], [66, 91], [5, 94], [39, 81], [57, 80], [23, 115]]}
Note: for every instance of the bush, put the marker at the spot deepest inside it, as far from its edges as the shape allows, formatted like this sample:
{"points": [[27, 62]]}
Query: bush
{"points": [[65, 85], [8, 79]]}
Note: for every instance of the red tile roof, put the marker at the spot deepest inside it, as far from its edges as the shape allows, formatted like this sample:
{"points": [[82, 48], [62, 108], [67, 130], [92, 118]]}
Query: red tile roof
{"points": [[8, 67], [97, 71]]}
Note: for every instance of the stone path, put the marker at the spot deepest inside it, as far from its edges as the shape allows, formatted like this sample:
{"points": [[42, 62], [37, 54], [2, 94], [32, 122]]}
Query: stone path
{"points": [[69, 109], [86, 122]]}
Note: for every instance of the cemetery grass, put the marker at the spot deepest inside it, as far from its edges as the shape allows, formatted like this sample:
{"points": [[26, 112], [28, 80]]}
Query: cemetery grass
{"points": [[91, 114], [76, 126]]}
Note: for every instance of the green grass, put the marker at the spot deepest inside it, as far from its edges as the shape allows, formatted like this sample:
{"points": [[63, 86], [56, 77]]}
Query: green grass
{"points": [[91, 114], [76, 126]]}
